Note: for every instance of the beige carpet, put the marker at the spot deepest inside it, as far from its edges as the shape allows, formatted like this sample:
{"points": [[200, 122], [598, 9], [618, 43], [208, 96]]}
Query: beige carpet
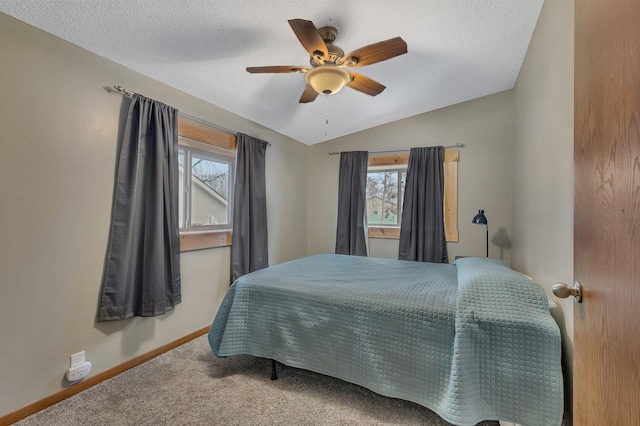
{"points": [[190, 386]]}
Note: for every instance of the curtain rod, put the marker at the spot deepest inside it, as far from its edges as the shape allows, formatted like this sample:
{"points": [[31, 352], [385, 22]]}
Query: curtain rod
{"points": [[458, 145], [129, 93]]}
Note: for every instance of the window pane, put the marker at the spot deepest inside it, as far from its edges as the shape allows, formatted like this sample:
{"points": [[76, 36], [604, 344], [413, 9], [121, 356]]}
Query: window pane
{"points": [[181, 188], [210, 189], [401, 186], [382, 197]]}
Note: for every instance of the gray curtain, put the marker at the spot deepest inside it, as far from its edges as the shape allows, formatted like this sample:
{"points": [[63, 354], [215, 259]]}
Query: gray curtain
{"points": [[422, 236], [352, 193], [142, 265], [249, 250]]}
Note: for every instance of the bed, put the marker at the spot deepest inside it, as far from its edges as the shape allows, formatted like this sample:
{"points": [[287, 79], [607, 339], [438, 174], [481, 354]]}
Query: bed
{"points": [[471, 341]]}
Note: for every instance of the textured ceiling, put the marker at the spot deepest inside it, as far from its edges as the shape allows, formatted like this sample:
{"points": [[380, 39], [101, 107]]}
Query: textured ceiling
{"points": [[457, 50]]}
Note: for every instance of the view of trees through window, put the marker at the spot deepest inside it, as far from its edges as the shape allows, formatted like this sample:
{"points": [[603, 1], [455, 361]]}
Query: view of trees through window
{"points": [[384, 196], [206, 188], [213, 174]]}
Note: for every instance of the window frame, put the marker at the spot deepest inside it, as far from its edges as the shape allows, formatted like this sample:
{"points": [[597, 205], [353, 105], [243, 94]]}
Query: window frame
{"points": [[187, 188], [204, 137], [399, 159], [399, 169]]}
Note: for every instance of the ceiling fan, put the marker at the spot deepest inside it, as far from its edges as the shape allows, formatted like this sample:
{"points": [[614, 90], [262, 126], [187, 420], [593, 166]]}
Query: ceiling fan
{"points": [[330, 67]]}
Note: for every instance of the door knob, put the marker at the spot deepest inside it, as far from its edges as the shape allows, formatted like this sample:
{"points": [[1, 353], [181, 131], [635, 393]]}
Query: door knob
{"points": [[563, 291]]}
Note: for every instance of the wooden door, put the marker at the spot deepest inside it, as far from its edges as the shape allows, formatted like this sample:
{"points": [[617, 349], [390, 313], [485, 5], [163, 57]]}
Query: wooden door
{"points": [[607, 212]]}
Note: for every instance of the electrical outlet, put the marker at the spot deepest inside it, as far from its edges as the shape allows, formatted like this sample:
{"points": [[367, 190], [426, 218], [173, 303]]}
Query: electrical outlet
{"points": [[77, 359]]}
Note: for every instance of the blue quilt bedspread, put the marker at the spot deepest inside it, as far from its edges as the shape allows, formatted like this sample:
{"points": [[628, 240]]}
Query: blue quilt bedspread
{"points": [[443, 336]]}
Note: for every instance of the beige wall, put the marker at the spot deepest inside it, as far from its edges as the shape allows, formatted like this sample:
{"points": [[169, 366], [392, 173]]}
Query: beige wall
{"points": [[543, 160], [58, 134], [485, 126]]}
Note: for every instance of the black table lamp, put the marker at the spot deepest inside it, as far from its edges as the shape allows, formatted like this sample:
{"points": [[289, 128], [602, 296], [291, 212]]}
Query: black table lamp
{"points": [[481, 219]]}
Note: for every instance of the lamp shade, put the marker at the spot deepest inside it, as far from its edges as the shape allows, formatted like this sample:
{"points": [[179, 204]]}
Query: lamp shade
{"points": [[327, 79], [480, 218]]}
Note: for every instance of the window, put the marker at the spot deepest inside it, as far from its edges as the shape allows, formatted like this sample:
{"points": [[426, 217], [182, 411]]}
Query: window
{"points": [[206, 180], [206, 171], [386, 177], [384, 195]]}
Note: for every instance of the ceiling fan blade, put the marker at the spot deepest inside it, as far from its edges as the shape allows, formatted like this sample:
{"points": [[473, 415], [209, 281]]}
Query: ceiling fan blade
{"points": [[309, 37], [276, 69], [376, 52], [365, 85], [309, 95]]}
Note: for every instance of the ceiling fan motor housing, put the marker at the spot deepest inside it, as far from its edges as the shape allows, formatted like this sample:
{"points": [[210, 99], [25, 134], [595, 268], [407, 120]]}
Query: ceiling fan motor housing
{"points": [[336, 53]]}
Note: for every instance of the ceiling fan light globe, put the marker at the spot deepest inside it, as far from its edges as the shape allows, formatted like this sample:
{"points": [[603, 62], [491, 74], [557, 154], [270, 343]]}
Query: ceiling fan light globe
{"points": [[327, 80]]}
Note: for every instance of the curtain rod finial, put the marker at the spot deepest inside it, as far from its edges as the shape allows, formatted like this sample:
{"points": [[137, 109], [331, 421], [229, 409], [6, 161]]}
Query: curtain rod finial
{"points": [[124, 91]]}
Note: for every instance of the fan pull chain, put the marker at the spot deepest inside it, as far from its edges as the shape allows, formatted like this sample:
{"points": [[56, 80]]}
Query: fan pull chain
{"points": [[326, 115]]}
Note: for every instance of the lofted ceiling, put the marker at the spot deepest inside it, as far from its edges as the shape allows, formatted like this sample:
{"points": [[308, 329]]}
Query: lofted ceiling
{"points": [[457, 50]]}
